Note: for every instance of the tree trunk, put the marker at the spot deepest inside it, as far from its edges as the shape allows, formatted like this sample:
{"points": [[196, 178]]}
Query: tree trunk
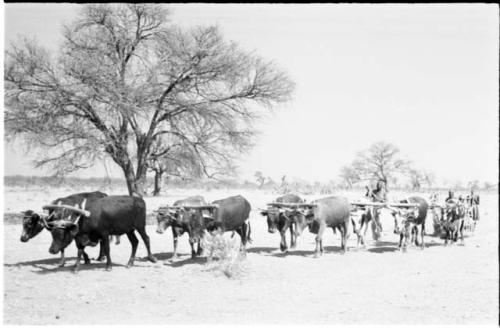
{"points": [[136, 184], [157, 189]]}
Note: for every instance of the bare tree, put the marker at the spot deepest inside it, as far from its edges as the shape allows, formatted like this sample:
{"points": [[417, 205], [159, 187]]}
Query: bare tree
{"points": [[349, 176], [124, 79], [382, 161], [260, 178]]}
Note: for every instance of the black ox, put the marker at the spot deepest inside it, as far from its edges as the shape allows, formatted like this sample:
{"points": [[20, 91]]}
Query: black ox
{"points": [[33, 223], [112, 215]]}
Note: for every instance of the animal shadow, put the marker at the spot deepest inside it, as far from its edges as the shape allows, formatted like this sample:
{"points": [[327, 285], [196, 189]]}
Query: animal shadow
{"points": [[47, 266], [275, 251], [383, 247], [189, 260]]}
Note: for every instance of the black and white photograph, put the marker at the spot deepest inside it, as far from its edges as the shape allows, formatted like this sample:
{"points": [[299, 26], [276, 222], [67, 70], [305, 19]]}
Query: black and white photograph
{"points": [[250, 164]]}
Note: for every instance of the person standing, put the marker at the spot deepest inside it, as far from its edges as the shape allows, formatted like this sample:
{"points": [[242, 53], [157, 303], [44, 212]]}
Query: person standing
{"points": [[474, 203]]}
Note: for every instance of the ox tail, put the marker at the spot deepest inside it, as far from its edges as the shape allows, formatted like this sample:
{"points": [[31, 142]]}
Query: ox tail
{"points": [[249, 239]]}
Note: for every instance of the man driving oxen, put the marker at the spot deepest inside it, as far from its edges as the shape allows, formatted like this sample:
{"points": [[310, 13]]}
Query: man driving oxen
{"points": [[377, 195]]}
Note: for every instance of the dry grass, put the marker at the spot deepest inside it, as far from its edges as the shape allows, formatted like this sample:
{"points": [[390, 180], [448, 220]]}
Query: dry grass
{"points": [[224, 255]]}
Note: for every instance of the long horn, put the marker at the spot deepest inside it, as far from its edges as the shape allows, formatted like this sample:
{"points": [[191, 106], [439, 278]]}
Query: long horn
{"points": [[67, 207], [83, 203], [44, 221]]}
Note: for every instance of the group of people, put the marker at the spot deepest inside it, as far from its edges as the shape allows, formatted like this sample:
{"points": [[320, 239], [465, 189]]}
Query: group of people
{"points": [[471, 201], [379, 195]]}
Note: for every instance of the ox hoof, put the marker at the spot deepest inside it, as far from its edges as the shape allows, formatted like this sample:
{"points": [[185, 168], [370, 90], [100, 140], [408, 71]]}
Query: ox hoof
{"points": [[109, 268], [151, 258], [61, 264], [100, 258]]}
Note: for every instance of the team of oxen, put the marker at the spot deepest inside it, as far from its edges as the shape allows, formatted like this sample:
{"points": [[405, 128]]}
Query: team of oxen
{"points": [[94, 218]]}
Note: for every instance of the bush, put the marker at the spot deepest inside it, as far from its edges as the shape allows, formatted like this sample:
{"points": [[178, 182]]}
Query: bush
{"points": [[224, 255]]}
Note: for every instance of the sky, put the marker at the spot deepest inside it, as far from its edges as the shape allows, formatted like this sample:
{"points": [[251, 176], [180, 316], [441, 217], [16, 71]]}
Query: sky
{"points": [[421, 76]]}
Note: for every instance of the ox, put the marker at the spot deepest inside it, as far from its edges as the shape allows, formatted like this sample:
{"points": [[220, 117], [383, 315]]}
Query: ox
{"points": [[409, 222], [453, 222], [183, 220], [33, 223], [228, 214], [112, 215], [333, 212], [282, 219]]}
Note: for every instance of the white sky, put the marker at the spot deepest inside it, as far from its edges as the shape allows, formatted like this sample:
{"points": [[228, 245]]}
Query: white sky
{"points": [[424, 77]]}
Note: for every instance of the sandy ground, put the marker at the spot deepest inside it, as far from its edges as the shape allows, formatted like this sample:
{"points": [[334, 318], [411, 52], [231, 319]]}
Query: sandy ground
{"points": [[376, 285]]}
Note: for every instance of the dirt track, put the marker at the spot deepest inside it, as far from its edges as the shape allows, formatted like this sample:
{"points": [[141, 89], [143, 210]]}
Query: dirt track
{"points": [[376, 285]]}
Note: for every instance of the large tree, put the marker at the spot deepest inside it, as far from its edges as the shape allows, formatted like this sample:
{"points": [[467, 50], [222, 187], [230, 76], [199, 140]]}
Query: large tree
{"points": [[381, 161], [128, 85]]}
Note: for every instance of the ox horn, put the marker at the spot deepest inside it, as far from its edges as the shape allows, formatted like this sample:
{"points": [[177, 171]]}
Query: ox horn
{"points": [[83, 204], [71, 208]]}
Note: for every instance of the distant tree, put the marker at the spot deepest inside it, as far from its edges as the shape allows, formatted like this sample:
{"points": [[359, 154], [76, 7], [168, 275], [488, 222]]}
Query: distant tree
{"points": [[349, 176], [124, 78], [419, 178], [382, 161], [473, 184], [260, 178], [488, 186]]}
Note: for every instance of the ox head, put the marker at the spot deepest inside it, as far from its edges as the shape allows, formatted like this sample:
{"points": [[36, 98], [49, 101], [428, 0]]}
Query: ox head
{"points": [[32, 225], [303, 217], [166, 217], [273, 215], [193, 220], [403, 218], [63, 232]]}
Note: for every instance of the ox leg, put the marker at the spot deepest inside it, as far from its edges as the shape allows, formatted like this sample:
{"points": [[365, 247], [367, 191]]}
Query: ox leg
{"points": [[375, 231], [101, 253], [200, 249], [176, 241], [344, 233], [401, 236], [193, 252], [134, 242], [293, 239], [86, 258], [76, 268], [461, 230], [406, 238], [414, 235], [105, 245], [319, 240], [283, 245], [62, 261], [244, 235], [145, 239]]}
